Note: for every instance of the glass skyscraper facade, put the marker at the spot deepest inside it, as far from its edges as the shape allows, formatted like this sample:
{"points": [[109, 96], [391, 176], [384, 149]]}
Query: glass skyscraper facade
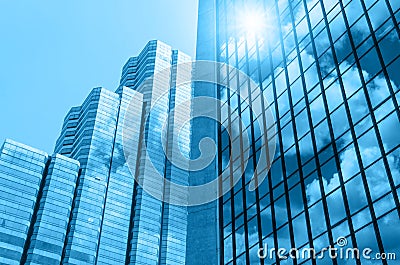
{"points": [[91, 134], [202, 239], [114, 220], [328, 71], [158, 229], [83, 205], [53, 212], [36, 196]]}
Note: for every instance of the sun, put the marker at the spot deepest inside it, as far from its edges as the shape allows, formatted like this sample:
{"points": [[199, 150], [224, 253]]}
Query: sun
{"points": [[253, 22]]}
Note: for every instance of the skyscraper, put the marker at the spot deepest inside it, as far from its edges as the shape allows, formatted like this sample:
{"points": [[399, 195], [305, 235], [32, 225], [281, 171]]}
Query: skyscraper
{"points": [[115, 220], [158, 229], [83, 205], [51, 219], [328, 71], [202, 239], [36, 196], [101, 209]]}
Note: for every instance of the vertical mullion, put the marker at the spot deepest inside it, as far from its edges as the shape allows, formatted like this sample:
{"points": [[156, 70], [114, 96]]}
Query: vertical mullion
{"points": [[229, 129], [270, 186], [395, 23], [252, 141], [220, 169], [242, 189], [232, 192], [269, 159], [293, 124], [231, 182]]}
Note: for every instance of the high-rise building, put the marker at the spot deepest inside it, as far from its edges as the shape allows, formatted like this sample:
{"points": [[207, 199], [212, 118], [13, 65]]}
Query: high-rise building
{"points": [[328, 71], [101, 210], [83, 205], [202, 239], [47, 236], [35, 204], [114, 220], [158, 229]]}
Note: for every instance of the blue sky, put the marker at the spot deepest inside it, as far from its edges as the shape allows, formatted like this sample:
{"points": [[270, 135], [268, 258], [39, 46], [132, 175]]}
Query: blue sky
{"points": [[53, 53]]}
